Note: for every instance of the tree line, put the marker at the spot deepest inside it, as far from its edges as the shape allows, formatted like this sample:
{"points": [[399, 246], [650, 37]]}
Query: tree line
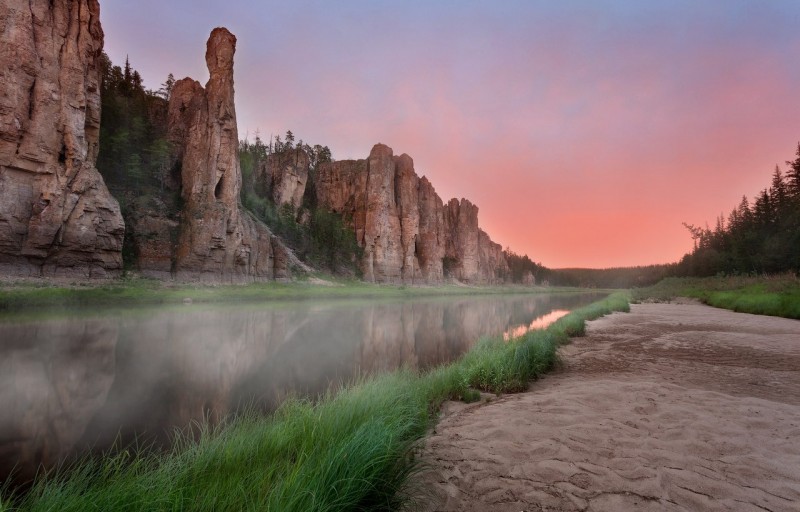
{"points": [[134, 150], [759, 236]]}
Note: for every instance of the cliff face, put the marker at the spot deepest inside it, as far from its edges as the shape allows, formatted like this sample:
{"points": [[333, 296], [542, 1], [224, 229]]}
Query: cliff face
{"points": [[283, 178], [407, 233], [218, 241], [57, 217]]}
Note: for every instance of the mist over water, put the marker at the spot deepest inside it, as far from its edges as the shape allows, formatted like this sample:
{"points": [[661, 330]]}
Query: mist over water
{"points": [[79, 382]]}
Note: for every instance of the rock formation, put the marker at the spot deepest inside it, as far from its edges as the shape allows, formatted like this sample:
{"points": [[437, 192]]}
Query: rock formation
{"points": [[283, 177], [407, 233], [218, 240], [57, 217], [153, 223]]}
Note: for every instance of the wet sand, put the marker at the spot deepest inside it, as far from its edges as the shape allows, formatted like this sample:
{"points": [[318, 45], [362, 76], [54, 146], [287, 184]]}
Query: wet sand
{"points": [[669, 407]]}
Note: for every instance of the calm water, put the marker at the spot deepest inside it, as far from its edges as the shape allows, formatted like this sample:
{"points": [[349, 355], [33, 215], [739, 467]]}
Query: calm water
{"points": [[84, 380]]}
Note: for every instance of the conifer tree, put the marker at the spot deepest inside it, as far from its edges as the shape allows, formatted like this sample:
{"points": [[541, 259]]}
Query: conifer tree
{"points": [[793, 175]]}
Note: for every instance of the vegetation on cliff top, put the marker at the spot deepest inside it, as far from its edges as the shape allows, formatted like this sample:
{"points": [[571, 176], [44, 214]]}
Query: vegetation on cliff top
{"points": [[350, 450], [316, 235], [134, 153]]}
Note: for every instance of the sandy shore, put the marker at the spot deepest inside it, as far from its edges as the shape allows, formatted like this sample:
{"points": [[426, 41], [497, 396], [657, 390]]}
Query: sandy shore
{"points": [[669, 407]]}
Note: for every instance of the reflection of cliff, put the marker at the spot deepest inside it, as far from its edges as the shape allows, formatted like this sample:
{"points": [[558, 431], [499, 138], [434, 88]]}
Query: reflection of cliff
{"points": [[339, 343], [175, 367], [53, 377], [181, 366], [430, 333]]}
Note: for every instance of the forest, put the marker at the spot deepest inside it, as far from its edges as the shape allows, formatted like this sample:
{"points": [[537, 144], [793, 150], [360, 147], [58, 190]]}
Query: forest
{"points": [[761, 236]]}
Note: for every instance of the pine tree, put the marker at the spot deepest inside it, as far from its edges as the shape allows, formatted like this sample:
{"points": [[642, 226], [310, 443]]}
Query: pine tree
{"points": [[166, 87], [127, 73], [793, 175], [762, 209], [779, 195]]}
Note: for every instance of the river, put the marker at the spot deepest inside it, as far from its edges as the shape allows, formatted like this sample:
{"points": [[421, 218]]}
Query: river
{"points": [[81, 380]]}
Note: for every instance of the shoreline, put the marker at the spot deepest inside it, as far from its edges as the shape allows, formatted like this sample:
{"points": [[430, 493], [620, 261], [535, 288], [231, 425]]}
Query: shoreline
{"points": [[16, 297], [674, 406]]}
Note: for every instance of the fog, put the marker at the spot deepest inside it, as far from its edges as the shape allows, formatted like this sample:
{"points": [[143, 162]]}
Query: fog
{"points": [[84, 380]]}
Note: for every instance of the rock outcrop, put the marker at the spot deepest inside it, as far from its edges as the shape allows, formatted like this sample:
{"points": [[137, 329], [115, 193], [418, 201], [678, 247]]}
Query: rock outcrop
{"points": [[153, 223], [57, 217], [407, 233], [218, 240], [283, 177]]}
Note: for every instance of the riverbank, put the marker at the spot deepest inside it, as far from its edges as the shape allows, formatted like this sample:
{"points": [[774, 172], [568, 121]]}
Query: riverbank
{"points": [[349, 450], [674, 406], [777, 295]]}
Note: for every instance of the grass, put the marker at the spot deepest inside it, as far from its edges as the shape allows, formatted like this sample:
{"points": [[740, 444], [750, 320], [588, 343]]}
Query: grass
{"points": [[350, 450], [761, 295]]}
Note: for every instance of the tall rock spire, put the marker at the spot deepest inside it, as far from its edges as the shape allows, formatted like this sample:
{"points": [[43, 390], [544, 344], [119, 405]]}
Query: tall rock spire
{"points": [[218, 240]]}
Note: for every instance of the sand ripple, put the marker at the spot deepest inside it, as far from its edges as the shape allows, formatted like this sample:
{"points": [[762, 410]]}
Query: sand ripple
{"points": [[669, 407]]}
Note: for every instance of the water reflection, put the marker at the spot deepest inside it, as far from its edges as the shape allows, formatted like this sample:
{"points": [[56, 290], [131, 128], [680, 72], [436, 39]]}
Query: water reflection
{"points": [[70, 383], [537, 323]]}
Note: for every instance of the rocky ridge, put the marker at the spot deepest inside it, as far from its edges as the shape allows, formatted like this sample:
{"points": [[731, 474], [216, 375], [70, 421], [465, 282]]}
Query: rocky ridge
{"points": [[57, 217], [408, 234]]}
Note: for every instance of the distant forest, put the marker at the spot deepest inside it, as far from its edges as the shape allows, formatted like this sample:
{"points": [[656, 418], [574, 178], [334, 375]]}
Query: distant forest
{"points": [[761, 236]]}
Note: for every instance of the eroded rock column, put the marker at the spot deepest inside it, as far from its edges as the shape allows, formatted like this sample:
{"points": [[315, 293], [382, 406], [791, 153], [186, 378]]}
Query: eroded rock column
{"points": [[218, 240]]}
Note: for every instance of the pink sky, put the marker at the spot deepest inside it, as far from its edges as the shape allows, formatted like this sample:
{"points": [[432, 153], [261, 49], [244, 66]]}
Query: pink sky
{"points": [[586, 132]]}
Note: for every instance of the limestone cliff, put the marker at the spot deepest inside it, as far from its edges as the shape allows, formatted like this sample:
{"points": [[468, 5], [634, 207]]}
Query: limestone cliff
{"points": [[218, 240], [57, 217], [407, 233]]}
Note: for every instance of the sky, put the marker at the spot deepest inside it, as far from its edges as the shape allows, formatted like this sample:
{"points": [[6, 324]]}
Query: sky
{"points": [[587, 132]]}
